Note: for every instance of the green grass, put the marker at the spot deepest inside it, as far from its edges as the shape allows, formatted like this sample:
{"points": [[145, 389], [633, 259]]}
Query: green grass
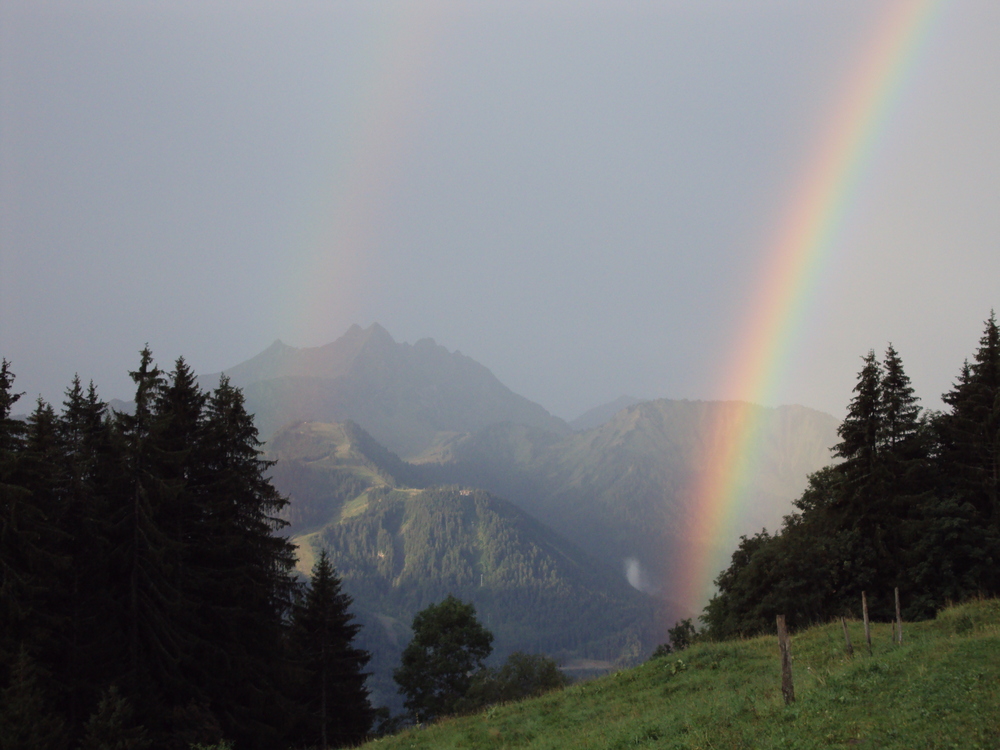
{"points": [[940, 689]]}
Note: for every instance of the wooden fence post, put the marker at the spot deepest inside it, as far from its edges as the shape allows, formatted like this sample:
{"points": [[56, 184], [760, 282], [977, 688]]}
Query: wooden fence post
{"points": [[785, 646], [868, 629], [847, 638], [899, 621]]}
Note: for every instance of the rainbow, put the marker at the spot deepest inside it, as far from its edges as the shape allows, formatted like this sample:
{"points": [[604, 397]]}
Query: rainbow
{"points": [[800, 250], [381, 115]]}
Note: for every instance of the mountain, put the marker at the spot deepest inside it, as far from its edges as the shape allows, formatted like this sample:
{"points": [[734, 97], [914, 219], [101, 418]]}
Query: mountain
{"points": [[604, 413], [321, 467], [622, 490], [409, 397], [399, 548]]}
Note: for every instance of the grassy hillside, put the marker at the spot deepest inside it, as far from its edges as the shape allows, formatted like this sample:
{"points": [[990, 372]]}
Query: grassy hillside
{"points": [[940, 689]]}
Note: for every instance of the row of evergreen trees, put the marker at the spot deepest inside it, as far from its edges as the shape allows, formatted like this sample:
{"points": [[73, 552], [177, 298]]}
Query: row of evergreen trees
{"points": [[144, 592], [913, 503]]}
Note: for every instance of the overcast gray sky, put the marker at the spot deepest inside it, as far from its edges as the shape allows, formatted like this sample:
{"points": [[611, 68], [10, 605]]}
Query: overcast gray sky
{"points": [[578, 195]]}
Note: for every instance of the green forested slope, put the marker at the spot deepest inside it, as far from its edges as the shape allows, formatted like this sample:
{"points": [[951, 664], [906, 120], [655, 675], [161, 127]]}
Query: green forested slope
{"points": [[399, 548], [621, 490], [322, 466]]}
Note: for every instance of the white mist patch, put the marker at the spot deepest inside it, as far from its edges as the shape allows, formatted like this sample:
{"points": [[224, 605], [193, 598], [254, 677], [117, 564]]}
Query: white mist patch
{"points": [[637, 577]]}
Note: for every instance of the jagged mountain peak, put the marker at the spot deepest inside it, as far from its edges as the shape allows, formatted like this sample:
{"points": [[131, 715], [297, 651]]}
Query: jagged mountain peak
{"points": [[410, 397]]}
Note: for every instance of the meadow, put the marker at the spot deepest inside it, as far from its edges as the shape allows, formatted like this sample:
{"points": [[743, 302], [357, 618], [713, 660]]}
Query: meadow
{"points": [[939, 689]]}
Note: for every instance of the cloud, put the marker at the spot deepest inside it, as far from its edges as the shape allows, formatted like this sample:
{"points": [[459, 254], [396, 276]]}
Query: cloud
{"points": [[638, 578]]}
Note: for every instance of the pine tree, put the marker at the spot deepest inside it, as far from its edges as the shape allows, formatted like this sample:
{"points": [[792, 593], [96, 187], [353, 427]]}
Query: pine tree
{"points": [[112, 726], [860, 447], [862, 520], [178, 450], [967, 513], [904, 454], [14, 579], [900, 414], [29, 536], [27, 721], [333, 687], [245, 575], [861, 429], [86, 455], [140, 579], [48, 563], [971, 432]]}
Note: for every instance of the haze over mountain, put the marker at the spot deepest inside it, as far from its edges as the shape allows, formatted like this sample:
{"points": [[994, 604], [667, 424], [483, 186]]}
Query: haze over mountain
{"points": [[600, 414], [402, 535], [622, 490], [409, 397], [497, 498]]}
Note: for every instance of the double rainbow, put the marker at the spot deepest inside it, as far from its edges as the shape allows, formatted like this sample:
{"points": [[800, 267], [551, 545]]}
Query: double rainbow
{"points": [[341, 241], [801, 249]]}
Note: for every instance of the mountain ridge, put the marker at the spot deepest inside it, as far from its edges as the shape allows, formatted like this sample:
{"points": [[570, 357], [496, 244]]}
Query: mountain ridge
{"points": [[623, 490], [408, 396], [602, 413]]}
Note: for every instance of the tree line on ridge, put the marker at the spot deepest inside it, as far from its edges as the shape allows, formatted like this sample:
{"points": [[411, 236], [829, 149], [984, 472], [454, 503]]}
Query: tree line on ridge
{"points": [[912, 503]]}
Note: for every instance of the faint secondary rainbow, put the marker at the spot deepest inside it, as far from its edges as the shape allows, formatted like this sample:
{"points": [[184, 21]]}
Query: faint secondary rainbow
{"points": [[367, 150], [802, 246]]}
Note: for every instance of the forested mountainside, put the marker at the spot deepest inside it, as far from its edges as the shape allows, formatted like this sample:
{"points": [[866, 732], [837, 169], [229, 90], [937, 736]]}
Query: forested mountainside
{"points": [[400, 548], [621, 490]]}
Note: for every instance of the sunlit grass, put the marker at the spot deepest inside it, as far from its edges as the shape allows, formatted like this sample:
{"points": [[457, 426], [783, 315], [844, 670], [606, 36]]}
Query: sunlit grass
{"points": [[940, 689]]}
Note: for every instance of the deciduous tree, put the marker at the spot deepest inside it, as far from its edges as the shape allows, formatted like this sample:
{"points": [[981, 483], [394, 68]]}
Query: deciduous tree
{"points": [[448, 647]]}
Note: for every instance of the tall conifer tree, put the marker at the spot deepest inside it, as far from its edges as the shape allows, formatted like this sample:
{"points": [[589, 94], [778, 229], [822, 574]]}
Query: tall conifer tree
{"points": [[179, 406], [972, 430], [900, 417], [860, 434], [333, 693], [15, 545], [46, 476], [970, 473], [85, 454], [140, 577], [860, 431], [247, 582]]}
